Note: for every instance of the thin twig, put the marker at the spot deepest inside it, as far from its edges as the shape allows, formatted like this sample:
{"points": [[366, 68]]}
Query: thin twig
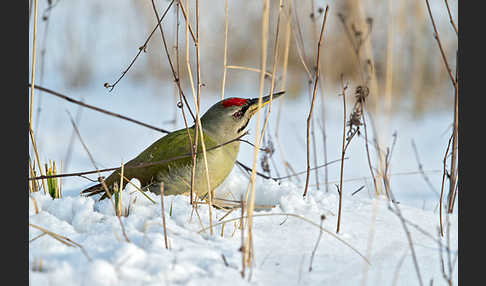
{"points": [[368, 156], [453, 172], [407, 233], [300, 48], [444, 173], [343, 152], [140, 165], [323, 217], [442, 52], [316, 84], [98, 109], [188, 25], [174, 73], [100, 177], [356, 49], [421, 169], [450, 17], [140, 49], [248, 169]]}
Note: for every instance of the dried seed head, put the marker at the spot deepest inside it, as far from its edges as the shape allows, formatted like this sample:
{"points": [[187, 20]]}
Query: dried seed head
{"points": [[264, 164], [369, 21], [361, 93], [270, 149]]}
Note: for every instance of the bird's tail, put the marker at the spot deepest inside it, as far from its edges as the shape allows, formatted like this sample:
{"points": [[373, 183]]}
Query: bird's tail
{"points": [[91, 191]]}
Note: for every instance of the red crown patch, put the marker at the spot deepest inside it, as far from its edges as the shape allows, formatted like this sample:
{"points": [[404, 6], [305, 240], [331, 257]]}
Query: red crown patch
{"points": [[234, 101]]}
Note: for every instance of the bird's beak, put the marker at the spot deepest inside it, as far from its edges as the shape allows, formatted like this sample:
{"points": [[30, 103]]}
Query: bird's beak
{"points": [[253, 102]]}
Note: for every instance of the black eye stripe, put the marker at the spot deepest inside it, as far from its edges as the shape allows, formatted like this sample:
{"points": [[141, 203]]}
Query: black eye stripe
{"points": [[245, 108]]}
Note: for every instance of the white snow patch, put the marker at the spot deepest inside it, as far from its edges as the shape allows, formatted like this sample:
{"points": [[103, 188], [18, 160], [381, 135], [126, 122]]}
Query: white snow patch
{"points": [[283, 244]]}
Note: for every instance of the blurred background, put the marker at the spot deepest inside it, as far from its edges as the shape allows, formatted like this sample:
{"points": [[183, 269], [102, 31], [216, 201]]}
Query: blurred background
{"points": [[83, 44]]}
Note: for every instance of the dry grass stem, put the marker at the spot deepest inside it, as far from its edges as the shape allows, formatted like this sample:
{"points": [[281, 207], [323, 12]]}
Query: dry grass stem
{"points": [[137, 188], [283, 86], [316, 84], [33, 65], [299, 44], [343, 152], [453, 171], [444, 173], [34, 145], [274, 72], [188, 25], [174, 73], [323, 217], [358, 41], [198, 127], [398, 212], [242, 231], [248, 248], [118, 195], [34, 187], [323, 113], [99, 177], [64, 240], [34, 202], [442, 52], [163, 214], [203, 144], [225, 56], [236, 67]]}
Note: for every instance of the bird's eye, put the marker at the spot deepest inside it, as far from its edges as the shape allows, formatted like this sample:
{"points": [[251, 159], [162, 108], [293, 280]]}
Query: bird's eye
{"points": [[238, 114]]}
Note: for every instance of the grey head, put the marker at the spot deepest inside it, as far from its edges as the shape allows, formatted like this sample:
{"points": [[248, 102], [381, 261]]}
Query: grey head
{"points": [[228, 118]]}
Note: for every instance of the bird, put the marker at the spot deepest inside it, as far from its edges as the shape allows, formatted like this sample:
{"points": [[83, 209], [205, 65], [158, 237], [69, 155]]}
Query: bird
{"points": [[168, 160]]}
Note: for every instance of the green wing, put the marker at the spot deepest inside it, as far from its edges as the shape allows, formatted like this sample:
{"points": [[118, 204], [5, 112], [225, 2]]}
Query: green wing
{"points": [[172, 145]]}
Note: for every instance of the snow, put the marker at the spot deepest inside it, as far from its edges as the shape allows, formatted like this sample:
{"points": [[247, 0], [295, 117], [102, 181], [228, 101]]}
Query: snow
{"points": [[283, 244]]}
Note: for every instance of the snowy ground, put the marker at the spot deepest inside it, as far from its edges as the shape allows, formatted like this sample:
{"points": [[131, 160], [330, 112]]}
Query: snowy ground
{"points": [[283, 244]]}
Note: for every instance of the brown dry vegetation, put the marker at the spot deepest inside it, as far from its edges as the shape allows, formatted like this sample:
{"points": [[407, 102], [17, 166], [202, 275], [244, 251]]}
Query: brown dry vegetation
{"points": [[419, 79]]}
